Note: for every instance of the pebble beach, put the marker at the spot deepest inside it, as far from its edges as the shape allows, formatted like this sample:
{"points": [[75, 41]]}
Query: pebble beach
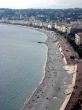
{"points": [[50, 93]]}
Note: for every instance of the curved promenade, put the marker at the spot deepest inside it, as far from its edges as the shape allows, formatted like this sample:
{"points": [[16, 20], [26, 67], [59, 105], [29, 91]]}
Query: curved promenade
{"points": [[73, 100]]}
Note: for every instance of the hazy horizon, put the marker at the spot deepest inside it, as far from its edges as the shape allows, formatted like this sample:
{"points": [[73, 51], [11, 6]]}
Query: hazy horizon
{"points": [[39, 8], [39, 4]]}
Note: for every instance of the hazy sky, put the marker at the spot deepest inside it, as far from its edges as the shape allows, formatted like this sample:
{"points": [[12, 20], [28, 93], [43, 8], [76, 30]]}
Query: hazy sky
{"points": [[40, 3]]}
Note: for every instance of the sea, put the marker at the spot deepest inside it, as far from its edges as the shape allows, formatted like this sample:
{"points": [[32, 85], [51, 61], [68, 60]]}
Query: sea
{"points": [[22, 61]]}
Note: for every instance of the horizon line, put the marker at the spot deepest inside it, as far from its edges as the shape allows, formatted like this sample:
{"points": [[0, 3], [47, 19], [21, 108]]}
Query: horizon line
{"points": [[40, 8]]}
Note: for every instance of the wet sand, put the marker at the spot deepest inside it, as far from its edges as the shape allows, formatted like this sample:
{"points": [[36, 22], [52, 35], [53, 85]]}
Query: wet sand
{"points": [[50, 94]]}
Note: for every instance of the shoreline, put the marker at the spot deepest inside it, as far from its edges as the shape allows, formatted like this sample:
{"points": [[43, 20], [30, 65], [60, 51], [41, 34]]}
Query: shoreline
{"points": [[44, 71], [65, 56], [28, 104], [33, 98], [40, 82]]}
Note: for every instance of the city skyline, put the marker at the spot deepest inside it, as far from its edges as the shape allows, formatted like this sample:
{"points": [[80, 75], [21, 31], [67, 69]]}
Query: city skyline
{"points": [[55, 4]]}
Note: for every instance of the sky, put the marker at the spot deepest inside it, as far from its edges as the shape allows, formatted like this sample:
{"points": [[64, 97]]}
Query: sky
{"points": [[55, 4]]}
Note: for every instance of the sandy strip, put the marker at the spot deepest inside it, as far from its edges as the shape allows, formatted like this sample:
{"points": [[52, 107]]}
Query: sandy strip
{"points": [[50, 94]]}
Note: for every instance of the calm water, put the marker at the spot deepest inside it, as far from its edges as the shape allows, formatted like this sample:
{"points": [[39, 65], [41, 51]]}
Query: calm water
{"points": [[21, 64]]}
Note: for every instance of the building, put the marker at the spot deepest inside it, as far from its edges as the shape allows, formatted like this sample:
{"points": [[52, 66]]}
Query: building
{"points": [[58, 26], [61, 27], [78, 39], [49, 26], [75, 27], [64, 29]]}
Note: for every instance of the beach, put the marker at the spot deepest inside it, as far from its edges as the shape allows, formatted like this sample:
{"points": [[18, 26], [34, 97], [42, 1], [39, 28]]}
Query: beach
{"points": [[50, 93]]}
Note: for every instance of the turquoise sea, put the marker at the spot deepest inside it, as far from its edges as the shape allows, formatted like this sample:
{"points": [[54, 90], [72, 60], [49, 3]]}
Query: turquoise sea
{"points": [[22, 60]]}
